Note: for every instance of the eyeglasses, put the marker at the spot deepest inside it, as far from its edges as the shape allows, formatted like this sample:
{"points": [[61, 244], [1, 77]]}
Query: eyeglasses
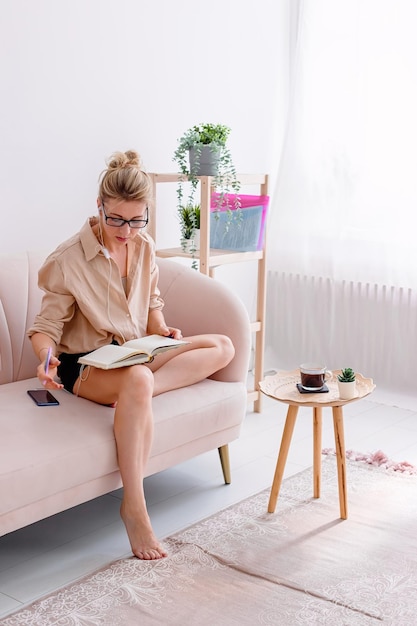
{"points": [[118, 222]]}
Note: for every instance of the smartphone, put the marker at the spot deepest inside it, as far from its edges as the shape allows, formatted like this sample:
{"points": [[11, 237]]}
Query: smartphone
{"points": [[43, 397]]}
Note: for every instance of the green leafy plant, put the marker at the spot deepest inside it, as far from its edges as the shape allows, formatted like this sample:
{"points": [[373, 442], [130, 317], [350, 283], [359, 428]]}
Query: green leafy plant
{"points": [[189, 216], [224, 181], [347, 375]]}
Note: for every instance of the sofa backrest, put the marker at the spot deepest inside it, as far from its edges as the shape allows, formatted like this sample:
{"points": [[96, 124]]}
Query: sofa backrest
{"points": [[193, 302], [20, 300]]}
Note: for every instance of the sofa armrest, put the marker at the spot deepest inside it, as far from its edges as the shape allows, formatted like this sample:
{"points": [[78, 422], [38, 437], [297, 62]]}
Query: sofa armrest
{"points": [[198, 304]]}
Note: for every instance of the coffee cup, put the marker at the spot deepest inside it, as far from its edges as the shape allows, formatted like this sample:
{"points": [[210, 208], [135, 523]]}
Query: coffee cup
{"points": [[314, 376]]}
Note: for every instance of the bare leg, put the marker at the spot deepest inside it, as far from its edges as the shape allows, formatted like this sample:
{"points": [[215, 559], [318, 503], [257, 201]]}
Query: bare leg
{"points": [[187, 365], [132, 388]]}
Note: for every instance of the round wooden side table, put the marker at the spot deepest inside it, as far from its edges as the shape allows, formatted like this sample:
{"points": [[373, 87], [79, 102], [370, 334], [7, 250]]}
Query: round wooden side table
{"points": [[282, 387]]}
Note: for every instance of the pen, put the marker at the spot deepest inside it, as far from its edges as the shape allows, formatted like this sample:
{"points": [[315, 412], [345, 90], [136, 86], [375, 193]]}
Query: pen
{"points": [[48, 358]]}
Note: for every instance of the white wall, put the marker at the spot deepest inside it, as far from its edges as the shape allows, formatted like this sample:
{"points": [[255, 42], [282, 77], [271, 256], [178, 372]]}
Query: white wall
{"points": [[82, 78]]}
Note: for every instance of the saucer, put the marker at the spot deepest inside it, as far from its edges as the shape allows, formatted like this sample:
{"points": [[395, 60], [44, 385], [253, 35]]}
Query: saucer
{"points": [[323, 389]]}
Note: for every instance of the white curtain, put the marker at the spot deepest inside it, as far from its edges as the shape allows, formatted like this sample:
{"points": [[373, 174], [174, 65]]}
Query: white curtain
{"points": [[344, 208], [346, 198]]}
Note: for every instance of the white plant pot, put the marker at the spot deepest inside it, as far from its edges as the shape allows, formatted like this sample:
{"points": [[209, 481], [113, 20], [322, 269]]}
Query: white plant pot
{"points": [[192, 245], [347, 391]]}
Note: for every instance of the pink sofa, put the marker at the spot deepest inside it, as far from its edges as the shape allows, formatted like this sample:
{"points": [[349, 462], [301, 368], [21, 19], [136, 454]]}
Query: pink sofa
{"points": [[53, 458]]}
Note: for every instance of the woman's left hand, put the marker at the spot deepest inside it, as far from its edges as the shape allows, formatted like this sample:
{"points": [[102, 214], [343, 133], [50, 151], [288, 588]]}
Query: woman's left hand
{"points": [[158, 326], [174, 333], [167, 331]]}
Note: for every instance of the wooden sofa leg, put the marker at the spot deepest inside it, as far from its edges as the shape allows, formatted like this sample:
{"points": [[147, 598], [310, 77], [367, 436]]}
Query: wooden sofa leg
{"points": [[225, 461]]}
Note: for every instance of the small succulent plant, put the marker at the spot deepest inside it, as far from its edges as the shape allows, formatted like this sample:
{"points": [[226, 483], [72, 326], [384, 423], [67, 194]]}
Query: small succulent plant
{"points": [[347, 375]]}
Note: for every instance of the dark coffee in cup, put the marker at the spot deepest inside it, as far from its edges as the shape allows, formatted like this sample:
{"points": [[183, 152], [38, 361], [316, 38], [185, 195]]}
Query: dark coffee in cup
{"points": [[312, 381], [313, 376]]}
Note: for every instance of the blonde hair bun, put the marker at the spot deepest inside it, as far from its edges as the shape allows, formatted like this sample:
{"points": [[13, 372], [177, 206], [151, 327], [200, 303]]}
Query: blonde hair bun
{"points": [[119, 160], [124, 178]]}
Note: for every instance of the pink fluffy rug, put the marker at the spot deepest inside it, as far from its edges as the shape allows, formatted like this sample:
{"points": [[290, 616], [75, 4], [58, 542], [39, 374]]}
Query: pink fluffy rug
{"points": [[377, 458]]}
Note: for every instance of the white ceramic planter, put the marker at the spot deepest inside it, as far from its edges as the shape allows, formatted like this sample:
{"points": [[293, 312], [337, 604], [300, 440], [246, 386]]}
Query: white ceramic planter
{"points": [[193, 245], [347, 391]]}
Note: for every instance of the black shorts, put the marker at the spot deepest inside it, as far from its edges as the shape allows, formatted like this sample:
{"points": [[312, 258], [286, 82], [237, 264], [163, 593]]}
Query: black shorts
{"points": [[69, 370]]}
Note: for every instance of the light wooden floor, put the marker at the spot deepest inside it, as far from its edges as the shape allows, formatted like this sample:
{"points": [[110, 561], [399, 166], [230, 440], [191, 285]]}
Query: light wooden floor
{"points": [[45, 556]]}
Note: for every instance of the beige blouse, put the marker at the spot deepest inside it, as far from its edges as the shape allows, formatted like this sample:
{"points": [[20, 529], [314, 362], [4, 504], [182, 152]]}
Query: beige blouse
{"points": [[85, 305]]}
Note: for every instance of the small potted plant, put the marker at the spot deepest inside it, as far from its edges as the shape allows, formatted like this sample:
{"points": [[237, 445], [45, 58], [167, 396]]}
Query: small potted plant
{"points": [[202, 151], [189, 216], [346, 382]]}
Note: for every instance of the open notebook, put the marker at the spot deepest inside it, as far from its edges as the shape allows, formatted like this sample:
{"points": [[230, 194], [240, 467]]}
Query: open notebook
{"points": [[132, 352]]}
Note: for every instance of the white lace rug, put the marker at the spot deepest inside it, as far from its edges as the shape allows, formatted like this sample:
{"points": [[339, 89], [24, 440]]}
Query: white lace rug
{"points": [[300, 565]]}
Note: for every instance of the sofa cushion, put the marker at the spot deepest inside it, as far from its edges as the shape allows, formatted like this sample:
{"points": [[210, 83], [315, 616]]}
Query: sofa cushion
{"points": [[52, 449]]}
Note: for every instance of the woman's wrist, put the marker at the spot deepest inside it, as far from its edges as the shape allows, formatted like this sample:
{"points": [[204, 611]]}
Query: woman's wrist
{"points": [[40, 353]]}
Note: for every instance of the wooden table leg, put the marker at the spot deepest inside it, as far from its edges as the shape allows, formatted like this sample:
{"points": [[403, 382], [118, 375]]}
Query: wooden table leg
{"points": [[282, 456], [317, 437], [339, 437]]}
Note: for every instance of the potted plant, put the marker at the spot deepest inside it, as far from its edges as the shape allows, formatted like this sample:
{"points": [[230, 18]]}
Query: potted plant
{"points": [[189, 216], [346, 382], [202, 151]]}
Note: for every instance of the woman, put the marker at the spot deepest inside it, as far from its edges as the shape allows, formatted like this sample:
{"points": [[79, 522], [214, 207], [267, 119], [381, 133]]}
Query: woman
{"points": [[101, 286]]}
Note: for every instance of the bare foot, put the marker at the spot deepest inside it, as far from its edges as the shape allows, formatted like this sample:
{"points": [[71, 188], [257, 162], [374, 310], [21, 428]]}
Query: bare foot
{"points": [[143, 542]]}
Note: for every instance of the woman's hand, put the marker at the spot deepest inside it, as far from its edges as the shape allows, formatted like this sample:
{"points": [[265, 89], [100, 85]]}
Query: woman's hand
{"points": [[174, 333], [166, 331], [47, 378], [158, 326]]}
